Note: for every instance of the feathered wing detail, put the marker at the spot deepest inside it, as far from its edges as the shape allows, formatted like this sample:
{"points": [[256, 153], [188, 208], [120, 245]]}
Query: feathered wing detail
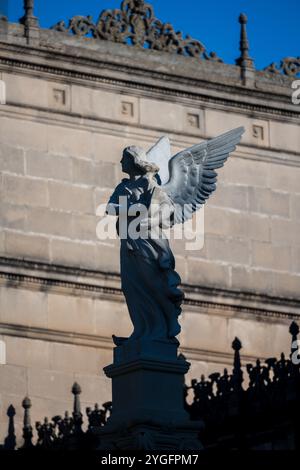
{"points": [[192, 173], [160, 154]]}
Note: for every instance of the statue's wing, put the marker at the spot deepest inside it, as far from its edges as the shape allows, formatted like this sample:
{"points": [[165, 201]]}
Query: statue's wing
{"points": [[192, 172], [160, 154]]}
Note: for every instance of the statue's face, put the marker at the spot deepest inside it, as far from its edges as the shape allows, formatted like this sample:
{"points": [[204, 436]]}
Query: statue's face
{"points": [[127, 164]]}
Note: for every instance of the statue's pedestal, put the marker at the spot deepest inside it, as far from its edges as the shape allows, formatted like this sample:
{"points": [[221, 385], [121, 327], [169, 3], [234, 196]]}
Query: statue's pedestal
{"points": [[147, 395]]}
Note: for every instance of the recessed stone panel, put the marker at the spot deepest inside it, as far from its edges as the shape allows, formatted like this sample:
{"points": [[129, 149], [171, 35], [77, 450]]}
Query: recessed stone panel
{"points": [[193, 122], [59, 96]]}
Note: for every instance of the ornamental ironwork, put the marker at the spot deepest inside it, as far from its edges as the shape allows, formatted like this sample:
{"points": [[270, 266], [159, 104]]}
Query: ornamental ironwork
{"points": [[251, 407], [289, 66], [135, 24]]}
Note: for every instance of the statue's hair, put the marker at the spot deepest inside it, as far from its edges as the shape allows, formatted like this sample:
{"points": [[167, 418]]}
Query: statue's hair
{"points": [[139, 157]]}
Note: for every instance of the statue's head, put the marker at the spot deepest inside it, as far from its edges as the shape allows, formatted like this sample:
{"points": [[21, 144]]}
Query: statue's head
{"points": [[134, 162]]}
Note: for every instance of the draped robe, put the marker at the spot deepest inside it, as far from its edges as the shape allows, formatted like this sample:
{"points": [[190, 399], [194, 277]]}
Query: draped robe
{"points": [[148, 277]]}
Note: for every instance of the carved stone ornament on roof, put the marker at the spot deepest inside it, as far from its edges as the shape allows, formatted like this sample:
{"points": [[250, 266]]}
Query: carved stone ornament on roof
{"points": [[134, 23], [289, 66]]}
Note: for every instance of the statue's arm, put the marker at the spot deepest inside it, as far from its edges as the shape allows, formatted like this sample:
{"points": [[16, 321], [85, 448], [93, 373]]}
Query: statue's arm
{"points": [[115, 205], [122, 207], [114, 209], [120, 202]]}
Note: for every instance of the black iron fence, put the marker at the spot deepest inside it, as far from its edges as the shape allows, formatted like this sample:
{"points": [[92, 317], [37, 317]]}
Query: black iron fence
{"points": [[264, 414]]}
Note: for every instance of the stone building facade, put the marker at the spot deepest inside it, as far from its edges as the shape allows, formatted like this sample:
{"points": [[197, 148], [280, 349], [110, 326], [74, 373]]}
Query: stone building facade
{"points": [[72, 104]]}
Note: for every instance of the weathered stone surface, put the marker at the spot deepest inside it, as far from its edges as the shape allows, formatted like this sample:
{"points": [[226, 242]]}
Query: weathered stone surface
{"points": [[218, 122], [285, 231], [240, 224], [48, 166], [108, 315], [84, 227], [295, 206], [25, 352], [71, 313], [46, 383], [233, 196], [25, 191], [23, 307], [270, 202], [45, 405], [102, 175], [259, 336], [13, 216], [207, 272], [2, 244], [98, 103], [69, 141], [31, 135], [171, 114], [285, 135], [271, 256], [285, 178], [71, 198], [28, 246], [73, 253], [11, 159], [240, 171], [108, 257], [296, 259], [210, 332], [50, 222], [288, 284], [36, 90], [108, 147], [256, 280], [13, 380], [68, 358], [96, 388], [231, 250]]}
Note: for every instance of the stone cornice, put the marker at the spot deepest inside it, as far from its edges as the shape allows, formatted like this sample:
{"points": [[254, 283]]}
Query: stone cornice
{"points": [[102, 342], [147, 75], [75, 281]]}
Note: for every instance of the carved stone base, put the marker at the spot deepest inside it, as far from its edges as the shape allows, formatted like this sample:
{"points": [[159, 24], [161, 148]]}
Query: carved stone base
{"points": [[146, 437], [147, 396]]}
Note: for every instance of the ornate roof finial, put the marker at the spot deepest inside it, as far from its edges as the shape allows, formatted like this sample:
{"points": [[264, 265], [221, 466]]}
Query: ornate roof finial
{"points": [[27, 428], [244, 61], [10, 440], [3, 22], [77, 415], [237, 373], [29, 21], [3, 11], [294, 331], [244, 43]]}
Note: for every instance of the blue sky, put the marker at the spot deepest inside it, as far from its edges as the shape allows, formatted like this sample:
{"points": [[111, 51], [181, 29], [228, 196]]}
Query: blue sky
{"points": [[273, 26]]}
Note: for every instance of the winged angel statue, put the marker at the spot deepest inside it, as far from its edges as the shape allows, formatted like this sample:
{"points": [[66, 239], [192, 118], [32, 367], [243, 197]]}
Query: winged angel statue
{"points": [[161, 191]]}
